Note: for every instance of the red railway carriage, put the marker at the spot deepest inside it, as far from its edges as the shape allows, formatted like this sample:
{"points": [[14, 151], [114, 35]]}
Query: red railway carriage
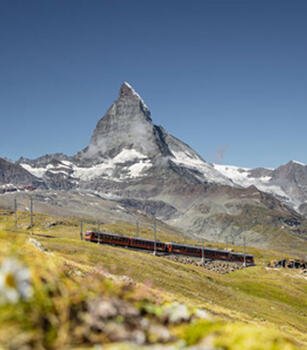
{"points": [[200, 252], [216, 254], [239, 257], [147, 244], [107, 238], [89, 236], [183, 249]]}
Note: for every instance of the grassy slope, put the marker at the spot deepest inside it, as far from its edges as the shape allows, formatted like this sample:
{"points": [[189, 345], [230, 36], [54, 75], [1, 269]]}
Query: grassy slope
{"points": [[277, 298]]}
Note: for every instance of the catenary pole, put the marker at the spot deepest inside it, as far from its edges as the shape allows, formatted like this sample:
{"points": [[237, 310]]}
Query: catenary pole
{"points": [[137, 228], [244, 251], [202, 253], [81, 230], [31, 212], [155, 235], [15, 211]]}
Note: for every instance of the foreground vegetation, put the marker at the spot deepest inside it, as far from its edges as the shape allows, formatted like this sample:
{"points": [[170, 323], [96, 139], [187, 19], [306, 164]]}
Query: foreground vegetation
{"points": [[156, 300]]}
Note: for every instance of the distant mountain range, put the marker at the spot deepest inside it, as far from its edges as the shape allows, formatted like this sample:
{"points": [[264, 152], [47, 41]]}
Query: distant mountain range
{"points": [[142, 167]]}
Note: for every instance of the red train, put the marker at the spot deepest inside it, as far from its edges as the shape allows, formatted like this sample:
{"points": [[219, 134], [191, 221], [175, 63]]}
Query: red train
{"points": [[168, 248]]}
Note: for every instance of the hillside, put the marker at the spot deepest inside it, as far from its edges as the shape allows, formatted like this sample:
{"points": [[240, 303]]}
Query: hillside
{"points": [[253, 308]]}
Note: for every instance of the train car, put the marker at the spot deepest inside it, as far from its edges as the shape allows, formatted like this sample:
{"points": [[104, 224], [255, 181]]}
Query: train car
{"points": [[250, 260], [216, 254], [147, 244], [89, 236], [113, 239], [196, 251], [183, 249], [107, 238], [239, 258]]}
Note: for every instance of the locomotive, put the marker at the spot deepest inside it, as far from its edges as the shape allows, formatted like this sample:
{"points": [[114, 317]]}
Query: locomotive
{"points": [[168, 247]]}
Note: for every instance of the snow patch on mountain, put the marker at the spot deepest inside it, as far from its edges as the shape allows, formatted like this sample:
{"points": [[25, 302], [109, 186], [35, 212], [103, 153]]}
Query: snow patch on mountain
{"points": [[242, 177], [38, 172], [299, 163], [127, 155], [104, 169], [191, 161], [107, 168], [137, 169], [187, 159]]}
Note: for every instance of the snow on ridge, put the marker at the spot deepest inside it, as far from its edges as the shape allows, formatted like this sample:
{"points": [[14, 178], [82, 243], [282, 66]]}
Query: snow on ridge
{"points": [[7, 186], [187, 159], [136, 94], [240, 176], [66, 163], [105, 168], [128, 155], [298, 162], [137, 168], [38, 172], [236, 174], [191, 161]]}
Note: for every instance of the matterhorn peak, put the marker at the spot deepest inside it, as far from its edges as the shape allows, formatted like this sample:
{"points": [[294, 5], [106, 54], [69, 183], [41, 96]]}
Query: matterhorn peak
{"points": [[127, 92], [126, 125]]}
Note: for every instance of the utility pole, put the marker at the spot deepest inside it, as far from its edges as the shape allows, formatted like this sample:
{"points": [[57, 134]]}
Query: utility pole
{"points": [[31, 212], [233, 239], [81, 230], [155, 236], [15, 211], [137, 228], [202, 253], [244, 251]]}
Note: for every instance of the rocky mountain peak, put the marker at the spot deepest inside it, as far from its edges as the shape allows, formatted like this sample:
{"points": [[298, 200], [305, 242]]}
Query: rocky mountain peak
{"points": [[15, 174], [126, 125], [129, 96], [127, 143], [296, 163], [126, 90]]}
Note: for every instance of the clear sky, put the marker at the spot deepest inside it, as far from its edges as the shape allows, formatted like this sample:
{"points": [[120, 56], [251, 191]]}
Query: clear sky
{"points": [[229, 77]]}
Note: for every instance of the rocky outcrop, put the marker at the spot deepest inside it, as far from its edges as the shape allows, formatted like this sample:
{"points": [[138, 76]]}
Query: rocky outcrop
{"points": [[15, 174], [126, 125]]}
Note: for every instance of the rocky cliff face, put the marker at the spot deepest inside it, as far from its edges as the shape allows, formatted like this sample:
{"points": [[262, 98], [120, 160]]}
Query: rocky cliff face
{"points": [[126, 125], [287, 182], [292, 178], [15, 175]]}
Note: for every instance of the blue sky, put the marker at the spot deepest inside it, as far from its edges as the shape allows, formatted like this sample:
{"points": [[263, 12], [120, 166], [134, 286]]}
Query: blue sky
{"points": [[227, 77]]}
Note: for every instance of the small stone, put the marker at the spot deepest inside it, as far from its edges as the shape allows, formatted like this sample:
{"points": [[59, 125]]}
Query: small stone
{"points": [[116, 332], [203, 314], [176, 313], [158, 334], [105, 309], [138, 337]]}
